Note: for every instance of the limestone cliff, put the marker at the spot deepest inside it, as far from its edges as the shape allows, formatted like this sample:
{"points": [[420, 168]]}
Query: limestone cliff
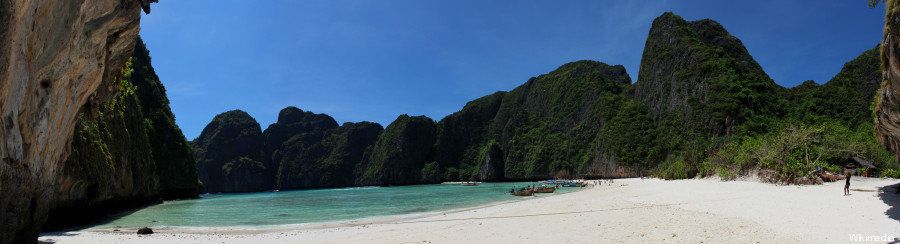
{"points": [[887, 99], [301, 150], [294, 144], [109, 168], [231, 155], [543, 128], [400, 153], [698, 74], [171, 152], [57, 59], [459, 139], [314, 152], [330, 162]]}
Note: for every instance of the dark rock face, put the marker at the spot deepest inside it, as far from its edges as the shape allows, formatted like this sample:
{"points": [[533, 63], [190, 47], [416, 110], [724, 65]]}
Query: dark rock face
{"points": [[401, 152], [243, 174], [696, 73], [109, 167], [230, 154], [302, 150], [55, 56], [297, 126], [546, 125], [461, 134], [175, 164], [540, 129], [347, 147], [329, 161], [491, 163], [294, 142]]}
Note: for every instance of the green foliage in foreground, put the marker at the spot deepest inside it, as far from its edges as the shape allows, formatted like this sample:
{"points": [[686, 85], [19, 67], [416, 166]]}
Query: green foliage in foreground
{"points": [[890, 173], [793, 151]]}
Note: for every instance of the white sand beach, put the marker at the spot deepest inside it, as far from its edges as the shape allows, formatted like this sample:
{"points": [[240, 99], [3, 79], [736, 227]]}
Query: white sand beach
{"points": [[627, 211]]}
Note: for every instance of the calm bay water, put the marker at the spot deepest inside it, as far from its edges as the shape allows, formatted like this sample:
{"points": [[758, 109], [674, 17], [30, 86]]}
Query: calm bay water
{"points": [[307, 206]]}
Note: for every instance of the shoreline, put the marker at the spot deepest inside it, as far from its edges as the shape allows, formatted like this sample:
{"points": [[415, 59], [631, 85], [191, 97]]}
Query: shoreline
{"points": [[383, 219], [628, 211]]}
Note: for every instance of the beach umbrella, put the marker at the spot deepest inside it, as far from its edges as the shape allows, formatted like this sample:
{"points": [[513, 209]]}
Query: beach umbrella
{"points": [[863, 163]]}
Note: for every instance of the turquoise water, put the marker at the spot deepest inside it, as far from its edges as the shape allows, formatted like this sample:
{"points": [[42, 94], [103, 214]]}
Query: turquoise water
{"points": [[307, 206]]}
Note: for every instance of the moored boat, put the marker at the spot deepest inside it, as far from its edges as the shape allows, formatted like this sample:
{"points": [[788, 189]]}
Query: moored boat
{"points": [[545, 189], [552, 182], [471, 183], [523, 192], [573, 183]]}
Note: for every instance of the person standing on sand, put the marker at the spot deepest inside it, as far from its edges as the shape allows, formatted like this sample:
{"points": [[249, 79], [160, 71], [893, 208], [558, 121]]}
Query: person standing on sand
{"points": [[847, 184], [849, 167], [848, 172]]}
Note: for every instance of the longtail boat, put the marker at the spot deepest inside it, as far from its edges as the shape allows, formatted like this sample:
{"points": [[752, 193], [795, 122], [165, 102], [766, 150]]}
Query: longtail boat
{"points": [[524, 192], [545, 189]]}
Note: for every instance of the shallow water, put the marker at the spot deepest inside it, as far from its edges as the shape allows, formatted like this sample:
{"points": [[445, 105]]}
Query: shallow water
{"points": [[307, 206]]}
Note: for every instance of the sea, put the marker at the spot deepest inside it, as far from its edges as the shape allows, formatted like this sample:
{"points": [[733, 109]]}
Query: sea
{"points": [[320, 205]]}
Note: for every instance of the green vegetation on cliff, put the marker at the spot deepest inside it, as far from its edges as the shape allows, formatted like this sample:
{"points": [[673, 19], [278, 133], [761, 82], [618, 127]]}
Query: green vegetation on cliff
{"points": [[301, 150], [311, 151], [175, 165], [847, 97], [824, 125], [294, 144], [545, 125], [539, 129], [347, 147], [401, 152], [231, 156], [746, 122], [128, 152], [457, 146]]}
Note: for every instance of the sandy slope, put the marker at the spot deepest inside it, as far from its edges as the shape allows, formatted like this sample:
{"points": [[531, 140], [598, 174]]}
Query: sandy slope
{"points": [[630, 210]]}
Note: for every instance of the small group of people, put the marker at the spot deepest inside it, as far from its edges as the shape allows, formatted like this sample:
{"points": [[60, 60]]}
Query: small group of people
{"points": [[600, 181]]}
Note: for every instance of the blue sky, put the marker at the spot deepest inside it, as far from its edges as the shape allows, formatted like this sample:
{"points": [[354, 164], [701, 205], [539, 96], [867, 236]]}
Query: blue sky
{"points": [[374, 60]]}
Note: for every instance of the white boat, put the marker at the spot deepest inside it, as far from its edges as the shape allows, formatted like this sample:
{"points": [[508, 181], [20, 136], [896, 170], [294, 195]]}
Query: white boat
{"points": [[470, 183]]}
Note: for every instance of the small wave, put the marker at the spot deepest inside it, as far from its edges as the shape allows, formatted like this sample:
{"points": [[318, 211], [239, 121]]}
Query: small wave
{"points": [[356, 188]]}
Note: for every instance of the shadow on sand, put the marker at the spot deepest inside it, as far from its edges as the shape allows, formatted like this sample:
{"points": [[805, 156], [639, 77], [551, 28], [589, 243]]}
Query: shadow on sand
{"points": [[891, 196], [48, 236]]}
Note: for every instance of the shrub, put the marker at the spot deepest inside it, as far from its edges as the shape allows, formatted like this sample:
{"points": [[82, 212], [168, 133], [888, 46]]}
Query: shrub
{"points": [[890, 173], [672, 169]]}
